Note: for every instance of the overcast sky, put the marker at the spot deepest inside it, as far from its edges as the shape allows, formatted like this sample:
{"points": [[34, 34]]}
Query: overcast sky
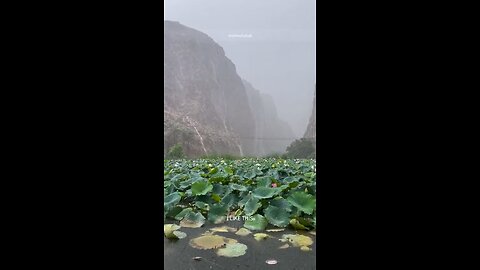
{"points": [[271, 43]]}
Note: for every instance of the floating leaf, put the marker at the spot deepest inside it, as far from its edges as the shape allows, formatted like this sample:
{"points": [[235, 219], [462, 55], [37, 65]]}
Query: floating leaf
{"points": [[232, 250], [179, 234], [201, 187], [305, 248], [298, 240], [295, 224], [260, 236], [256, 223], [243, 232], [193, 220], [303, 201], [169, 228], [170, 231], [223, 229], [209, 242], [305, 221], [277, 216]]}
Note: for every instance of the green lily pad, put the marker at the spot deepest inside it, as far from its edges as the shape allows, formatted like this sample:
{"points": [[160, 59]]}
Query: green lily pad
{"points": [[218, 188], [179, 234], [256, 223], [183, 213], [216, 197], [170, 231], [193, 220], [173, 211], [298, 240], [281, 203], [252, 206], [260, 236], [290, 179], [202, 205], [218, 213], [303, 201], [210, 242], [297, 225], [167, 228], [229, 200], [243, 232], [223, 229], [232, 250], [277, 216], [264, 192], [171, 200], [201, 188], [238, 187], [250, 175], [187, 183], [244, 200], [229, 170], [264, 181]]}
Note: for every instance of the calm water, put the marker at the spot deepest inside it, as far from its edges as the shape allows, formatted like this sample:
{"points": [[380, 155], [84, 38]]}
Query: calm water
{"points": [[178, 253]]}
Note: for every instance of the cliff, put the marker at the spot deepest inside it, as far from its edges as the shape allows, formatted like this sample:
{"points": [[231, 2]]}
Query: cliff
{"points": [[206, 107], [272, 135], [311, 132]]}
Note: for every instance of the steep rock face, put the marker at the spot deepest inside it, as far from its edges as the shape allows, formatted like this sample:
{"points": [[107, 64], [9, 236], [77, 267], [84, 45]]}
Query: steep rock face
{"points": [[272, 135], [205, 104], [311, 132]]}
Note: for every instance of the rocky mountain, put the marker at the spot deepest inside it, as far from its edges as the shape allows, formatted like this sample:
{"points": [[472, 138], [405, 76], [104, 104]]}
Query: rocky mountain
{"points": [[311, 132], [272, 135], [206, 107]]}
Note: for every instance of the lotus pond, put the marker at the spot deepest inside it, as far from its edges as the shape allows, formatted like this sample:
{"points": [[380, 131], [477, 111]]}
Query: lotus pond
{"points": [[259, 191], [267, 199]]}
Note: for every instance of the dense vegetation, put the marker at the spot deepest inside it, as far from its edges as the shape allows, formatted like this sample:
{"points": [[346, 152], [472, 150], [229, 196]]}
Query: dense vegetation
{"points": [[274, 191], [302, 148]]}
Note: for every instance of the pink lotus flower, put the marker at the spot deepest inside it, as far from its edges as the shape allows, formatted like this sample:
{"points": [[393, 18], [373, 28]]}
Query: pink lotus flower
{"points": [[274, 185]]}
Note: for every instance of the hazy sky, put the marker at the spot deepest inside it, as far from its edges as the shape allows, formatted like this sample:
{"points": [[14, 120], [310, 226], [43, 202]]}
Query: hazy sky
{"points": [[271, 43]]}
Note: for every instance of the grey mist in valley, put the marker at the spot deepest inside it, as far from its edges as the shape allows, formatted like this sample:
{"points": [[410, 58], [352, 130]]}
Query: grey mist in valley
{"points": [[266, 47]]}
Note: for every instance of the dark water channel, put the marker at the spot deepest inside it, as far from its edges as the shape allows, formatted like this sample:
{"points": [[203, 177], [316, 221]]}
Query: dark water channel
{"points": [[179, 254]]}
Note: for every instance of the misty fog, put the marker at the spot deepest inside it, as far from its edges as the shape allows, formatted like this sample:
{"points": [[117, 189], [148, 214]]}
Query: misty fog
{"points": [[271, 42]]}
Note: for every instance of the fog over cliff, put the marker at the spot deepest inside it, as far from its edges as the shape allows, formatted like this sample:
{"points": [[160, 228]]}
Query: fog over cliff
{"points": [[271, 43]]}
